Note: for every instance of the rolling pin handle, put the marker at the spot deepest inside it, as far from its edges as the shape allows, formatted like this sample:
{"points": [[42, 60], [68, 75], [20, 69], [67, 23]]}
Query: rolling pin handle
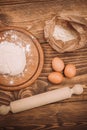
{"points": [[4, 110], [77, 89]]}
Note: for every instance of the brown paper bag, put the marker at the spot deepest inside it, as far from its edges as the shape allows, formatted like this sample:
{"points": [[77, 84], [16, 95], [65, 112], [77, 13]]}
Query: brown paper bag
{"points": [[66, 34]]}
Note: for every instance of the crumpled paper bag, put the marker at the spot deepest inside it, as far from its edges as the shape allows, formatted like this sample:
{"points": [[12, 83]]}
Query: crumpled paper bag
{"points": [[75, 33]]}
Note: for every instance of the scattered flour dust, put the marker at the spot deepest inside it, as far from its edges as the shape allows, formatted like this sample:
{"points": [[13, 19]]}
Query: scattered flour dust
{"points": [[62, 34], [11, 82], [27, 48], [12, 59]]}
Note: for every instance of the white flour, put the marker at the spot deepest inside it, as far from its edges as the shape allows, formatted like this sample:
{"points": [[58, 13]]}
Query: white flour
{"points": [[27, 48], [11, 82], [62, 34], [12, 58]]}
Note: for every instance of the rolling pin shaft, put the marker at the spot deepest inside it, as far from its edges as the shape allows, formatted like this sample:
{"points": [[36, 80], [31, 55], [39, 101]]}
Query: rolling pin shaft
{"points": [[40, 99]]}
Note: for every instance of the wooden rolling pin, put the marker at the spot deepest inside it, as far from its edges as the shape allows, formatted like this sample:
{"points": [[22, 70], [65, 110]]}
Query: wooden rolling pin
{"points": [[41, 99]]}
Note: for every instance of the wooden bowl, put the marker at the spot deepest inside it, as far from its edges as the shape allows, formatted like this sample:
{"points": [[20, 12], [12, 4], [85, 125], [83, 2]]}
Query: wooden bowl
{"points": [[34, 58]]}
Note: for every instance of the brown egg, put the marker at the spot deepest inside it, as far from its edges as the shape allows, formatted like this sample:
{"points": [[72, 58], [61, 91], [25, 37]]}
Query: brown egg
{"points": [[70, 70], [57, 64], [55, 77]]}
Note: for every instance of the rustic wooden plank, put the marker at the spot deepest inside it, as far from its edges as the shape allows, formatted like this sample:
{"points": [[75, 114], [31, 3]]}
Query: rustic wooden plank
{"points": [[59, 115], [48, 127], [32, 16], [70, 114], [79, 58]]}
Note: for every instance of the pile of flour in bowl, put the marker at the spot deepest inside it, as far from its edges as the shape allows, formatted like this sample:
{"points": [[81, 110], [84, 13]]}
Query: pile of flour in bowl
{"points": [[12, 58]]}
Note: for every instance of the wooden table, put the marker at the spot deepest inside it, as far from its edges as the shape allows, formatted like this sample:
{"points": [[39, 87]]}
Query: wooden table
{"points": [[31, 15]]}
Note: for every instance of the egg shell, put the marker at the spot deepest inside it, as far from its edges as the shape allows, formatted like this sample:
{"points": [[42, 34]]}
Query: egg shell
{"points": [[70, 70], [57, 64], [55, 77]]}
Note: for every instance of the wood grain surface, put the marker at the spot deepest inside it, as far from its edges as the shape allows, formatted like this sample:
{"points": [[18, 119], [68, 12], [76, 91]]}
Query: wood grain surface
{"points": [[32, 14], [69, 114]]}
